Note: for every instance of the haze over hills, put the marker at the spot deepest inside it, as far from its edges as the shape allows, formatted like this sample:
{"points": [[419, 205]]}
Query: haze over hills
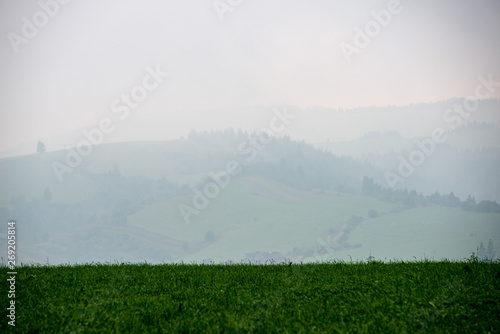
{"points": [[333, 128], [231, 195], [377, 121], [298, 133]]}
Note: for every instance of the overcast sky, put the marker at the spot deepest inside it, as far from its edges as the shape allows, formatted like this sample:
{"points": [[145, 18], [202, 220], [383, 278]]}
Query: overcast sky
{"points": [[226, 67]]}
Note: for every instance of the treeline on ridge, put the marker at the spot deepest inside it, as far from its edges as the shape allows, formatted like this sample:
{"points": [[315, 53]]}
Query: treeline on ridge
{"points": [[413, 199]]}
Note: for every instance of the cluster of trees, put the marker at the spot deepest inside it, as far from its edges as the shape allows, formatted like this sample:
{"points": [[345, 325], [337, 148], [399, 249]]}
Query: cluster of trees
{"points": [[486, 254], [476, 168], [116, 197], [293, 163], [301, 165], [413, 199]]}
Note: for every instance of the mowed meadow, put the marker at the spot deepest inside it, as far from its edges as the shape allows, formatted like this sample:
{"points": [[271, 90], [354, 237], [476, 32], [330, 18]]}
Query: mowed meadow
{"points": [[336, 297]]}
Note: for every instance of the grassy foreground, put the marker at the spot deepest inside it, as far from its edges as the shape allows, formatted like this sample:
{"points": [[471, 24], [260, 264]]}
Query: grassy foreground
{"points": [[334, 297]]}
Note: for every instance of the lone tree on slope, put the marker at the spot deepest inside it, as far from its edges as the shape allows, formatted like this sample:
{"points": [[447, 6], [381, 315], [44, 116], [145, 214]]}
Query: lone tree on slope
{"points": [[40, 147]]}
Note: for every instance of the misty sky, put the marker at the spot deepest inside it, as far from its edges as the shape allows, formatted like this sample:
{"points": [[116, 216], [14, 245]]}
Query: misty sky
{"points": [[225, 72]]}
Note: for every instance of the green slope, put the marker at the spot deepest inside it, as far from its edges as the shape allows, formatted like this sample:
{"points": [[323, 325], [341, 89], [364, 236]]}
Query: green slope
{"points": [[254, 214], [29, 175], [432, 232]]}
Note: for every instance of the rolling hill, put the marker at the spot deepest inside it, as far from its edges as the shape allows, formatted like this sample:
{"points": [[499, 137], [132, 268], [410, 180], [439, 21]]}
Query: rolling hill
{"points": [[122, 203], [257, 215]]}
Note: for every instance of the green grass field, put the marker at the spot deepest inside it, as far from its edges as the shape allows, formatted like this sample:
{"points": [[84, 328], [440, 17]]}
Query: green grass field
{"points": [[399, 297]]}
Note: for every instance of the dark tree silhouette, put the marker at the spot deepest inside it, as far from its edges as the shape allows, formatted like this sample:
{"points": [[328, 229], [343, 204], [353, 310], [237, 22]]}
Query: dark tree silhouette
{"points": [[481, 252], [40, 147], [490, 251]]}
